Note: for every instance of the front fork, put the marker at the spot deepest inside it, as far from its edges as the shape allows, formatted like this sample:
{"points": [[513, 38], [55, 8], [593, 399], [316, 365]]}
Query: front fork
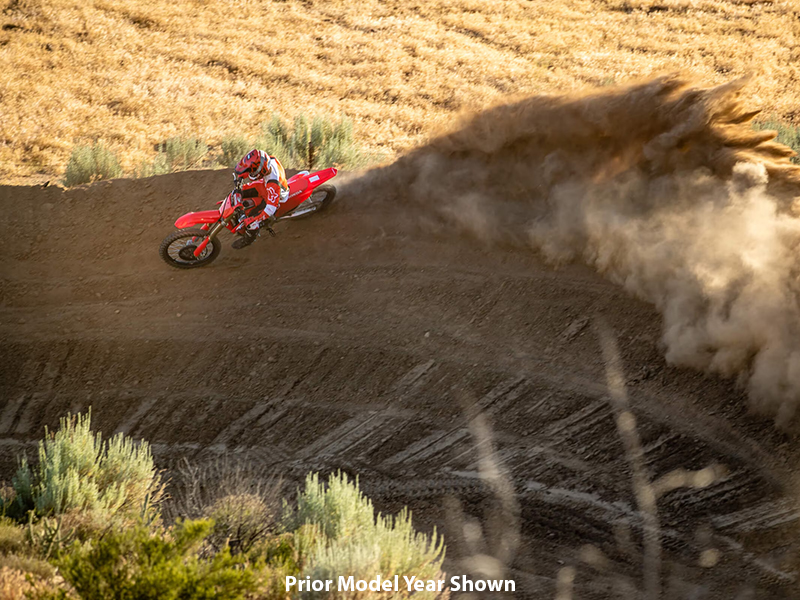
{"points": [[215, 229]]}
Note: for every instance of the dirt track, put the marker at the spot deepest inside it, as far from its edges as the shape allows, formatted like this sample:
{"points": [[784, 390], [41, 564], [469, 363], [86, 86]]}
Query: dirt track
{"points": [[354, 341]]}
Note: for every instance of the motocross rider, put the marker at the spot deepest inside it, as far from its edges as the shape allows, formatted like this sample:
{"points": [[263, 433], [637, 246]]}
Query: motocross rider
{"points": [[258, 195]]}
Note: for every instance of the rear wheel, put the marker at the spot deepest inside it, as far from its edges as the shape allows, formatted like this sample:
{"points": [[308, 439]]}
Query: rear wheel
{"points": [[178, 248], [319, 200]]}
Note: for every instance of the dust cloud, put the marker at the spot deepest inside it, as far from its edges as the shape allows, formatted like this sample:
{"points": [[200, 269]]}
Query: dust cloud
{"points": [[664, 188]]}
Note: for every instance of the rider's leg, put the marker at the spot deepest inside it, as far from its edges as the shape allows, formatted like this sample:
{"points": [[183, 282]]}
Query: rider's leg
{"points": [[251, 232]]}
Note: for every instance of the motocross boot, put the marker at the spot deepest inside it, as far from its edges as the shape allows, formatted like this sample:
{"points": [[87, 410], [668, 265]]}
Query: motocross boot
{"points": [[248, 237]]}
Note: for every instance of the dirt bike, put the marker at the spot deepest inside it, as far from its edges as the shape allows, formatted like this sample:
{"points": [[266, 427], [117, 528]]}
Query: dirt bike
{"points": [[191, 247]]}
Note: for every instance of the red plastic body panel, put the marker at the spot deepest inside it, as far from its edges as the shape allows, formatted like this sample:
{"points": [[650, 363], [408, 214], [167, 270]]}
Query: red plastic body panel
{"points": [[302, 186], [193, 218]]}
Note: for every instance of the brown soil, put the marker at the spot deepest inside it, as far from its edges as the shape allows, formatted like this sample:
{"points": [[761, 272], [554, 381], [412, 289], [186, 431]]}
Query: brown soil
{"points": [[355, 340]]}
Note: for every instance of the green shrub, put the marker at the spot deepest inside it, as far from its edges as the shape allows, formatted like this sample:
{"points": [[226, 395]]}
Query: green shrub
{"points": [[276, 558], [314, 144], [788, 135], [340, 510], [182, 152], [353, 540], [275, 140], [299, 143], [91, 163], [335, 144], [317, 144], [242, 500], [178, 153], [158, 166], [233, 149], [240, 521], [138, 563], [78, 471]]}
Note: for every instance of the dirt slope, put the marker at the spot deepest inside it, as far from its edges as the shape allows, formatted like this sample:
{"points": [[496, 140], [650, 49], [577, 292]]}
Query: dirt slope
{"points": [[355, 340]]}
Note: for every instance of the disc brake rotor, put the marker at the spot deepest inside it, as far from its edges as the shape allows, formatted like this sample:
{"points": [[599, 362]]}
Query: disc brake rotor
{"points": [[187, 253]]}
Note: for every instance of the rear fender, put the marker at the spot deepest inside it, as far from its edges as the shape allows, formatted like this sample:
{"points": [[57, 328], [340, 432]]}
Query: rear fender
{"points": [[300, 188], [194, 218], [301, 182], [320, 177]]}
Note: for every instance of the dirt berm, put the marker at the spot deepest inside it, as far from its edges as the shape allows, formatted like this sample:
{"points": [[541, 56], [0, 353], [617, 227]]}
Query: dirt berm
{"points": [[361, 340]]}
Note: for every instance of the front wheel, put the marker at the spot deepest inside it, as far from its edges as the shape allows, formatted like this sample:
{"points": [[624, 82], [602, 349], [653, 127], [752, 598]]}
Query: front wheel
{"points": [[178, 248], [320, 199]]}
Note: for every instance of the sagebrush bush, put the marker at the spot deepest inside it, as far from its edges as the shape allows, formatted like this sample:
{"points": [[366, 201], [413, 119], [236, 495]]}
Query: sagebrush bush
{"points": [[234, 147], [178, 153], [340, 510], [184, 152], [335, 145], [314, 144], [78, 471], [353, 540], [275, 138], [91, 163], [158, 166]]}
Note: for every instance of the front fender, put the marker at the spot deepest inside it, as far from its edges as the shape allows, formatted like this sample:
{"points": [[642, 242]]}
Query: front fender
{"points": [[194, 218]]}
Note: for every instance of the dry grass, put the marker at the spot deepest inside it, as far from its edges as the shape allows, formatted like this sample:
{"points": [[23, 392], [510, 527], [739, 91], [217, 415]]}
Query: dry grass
{"points": [[13, 584], [133, 74]]}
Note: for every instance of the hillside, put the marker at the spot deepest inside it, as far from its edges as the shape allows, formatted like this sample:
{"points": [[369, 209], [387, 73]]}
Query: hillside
{"points": [[132, 73]]}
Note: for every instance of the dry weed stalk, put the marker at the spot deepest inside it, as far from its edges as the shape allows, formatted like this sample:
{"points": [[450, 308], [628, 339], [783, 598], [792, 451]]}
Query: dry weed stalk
{"points": [[486, 556], [642, 487], [646, 490]]}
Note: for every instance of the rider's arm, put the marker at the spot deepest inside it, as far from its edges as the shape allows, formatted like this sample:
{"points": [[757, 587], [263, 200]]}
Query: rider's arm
{"points": [[277, 173]]}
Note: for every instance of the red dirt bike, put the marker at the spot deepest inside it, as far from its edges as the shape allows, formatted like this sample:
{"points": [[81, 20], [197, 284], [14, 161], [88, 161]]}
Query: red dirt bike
{"points": [[191, 247]]}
